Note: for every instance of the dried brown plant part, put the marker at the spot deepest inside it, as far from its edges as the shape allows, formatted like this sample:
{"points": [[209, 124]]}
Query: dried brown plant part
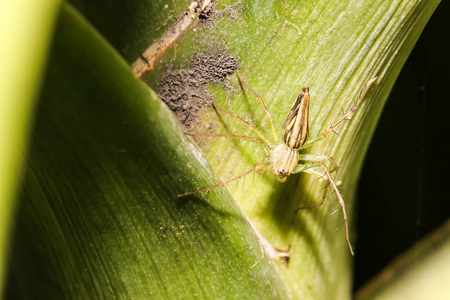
{"points": [[147, 59]]}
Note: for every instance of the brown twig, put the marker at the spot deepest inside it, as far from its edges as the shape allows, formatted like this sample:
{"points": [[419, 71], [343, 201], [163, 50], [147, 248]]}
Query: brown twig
{"points": [[146, 60]]}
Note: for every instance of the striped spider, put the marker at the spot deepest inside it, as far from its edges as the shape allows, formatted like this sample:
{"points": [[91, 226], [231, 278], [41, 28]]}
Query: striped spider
{"points": [[283, 157]]}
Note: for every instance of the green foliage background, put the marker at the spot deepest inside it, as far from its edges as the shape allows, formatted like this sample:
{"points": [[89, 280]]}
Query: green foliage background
{"points": [[98, 214]]}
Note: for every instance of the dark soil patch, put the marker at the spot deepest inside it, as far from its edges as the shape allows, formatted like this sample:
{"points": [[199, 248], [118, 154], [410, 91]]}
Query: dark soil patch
{"points": [[184, 90]]}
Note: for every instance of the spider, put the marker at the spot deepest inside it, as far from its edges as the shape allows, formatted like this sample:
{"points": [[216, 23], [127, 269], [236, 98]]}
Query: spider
{"points": [[283, 156]]}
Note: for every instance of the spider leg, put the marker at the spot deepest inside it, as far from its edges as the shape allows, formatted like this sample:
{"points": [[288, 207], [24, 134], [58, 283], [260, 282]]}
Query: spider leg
{"points": [[346, 116], [341, 203], [308, 169], [319, 158], [269, 116], [228, 136], [258, 167], [249, 125]]}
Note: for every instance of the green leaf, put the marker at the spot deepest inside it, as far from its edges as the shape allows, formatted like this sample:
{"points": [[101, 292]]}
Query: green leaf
{"points": [[333, 47], [99, 214], [25, 31], [131, 25]]}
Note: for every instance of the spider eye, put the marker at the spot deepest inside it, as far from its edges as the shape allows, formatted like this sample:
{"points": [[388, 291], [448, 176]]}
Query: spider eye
{"points": [[283, 173]]}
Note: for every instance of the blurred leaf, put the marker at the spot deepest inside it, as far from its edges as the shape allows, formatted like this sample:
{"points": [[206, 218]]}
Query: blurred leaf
{"points": [[131, 25], [420, 273], [25, 31]]}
